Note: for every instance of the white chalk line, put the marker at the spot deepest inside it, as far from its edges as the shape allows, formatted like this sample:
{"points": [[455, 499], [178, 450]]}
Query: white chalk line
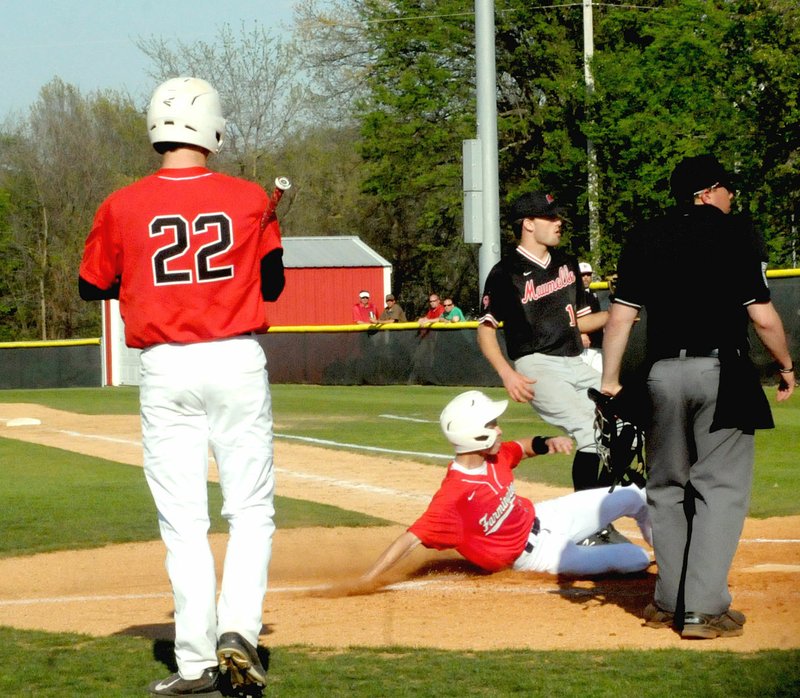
{"points": [[359, 447], [408, 419], [344, 484], [448, 585], [290, 437], [351, 485]]}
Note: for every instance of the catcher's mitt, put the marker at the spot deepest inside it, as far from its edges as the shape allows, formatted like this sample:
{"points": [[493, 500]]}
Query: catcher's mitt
{"points": [[619, 435]]}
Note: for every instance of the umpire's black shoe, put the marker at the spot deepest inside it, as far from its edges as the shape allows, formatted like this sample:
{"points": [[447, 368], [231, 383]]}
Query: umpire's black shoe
{"points": [[655, 617], [241, 658], [175, 685], [702, 626]]}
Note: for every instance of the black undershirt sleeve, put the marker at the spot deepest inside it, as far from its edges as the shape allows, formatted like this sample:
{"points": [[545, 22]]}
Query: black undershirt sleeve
{"points": [[272, 277], [90, 292]]}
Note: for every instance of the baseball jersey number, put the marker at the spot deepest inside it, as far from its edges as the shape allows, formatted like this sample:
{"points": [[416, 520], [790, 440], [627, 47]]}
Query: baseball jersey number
{"points": [[571, 312], [178, 228]]}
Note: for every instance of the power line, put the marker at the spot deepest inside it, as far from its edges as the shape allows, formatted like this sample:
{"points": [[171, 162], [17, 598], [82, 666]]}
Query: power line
{"points": [[471, 13]]}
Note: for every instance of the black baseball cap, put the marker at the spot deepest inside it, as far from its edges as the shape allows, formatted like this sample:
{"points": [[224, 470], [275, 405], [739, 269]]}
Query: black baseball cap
{"points": [[694, 174], [534, 205]]}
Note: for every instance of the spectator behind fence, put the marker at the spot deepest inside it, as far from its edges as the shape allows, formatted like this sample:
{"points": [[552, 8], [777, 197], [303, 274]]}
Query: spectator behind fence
{"points": [[434, 312], [392, 312], [364, 312], [452, 313]]}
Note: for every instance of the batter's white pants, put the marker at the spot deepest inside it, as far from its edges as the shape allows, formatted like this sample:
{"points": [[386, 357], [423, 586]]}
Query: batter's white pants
{"points": [[560, 394], [195, 396], [566, 521]]}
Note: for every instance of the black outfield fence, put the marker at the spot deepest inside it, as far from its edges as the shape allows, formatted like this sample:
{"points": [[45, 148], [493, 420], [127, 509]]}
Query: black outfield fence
{"points": [[349, 355], [60, 364]]}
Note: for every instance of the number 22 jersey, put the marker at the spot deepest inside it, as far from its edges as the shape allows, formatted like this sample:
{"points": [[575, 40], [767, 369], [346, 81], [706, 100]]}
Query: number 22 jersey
{"points": [[187, 244]]}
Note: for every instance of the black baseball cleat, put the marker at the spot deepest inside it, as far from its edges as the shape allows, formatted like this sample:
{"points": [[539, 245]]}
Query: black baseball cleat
{"points": [[241, 658], [605, 536], [175, 685]]}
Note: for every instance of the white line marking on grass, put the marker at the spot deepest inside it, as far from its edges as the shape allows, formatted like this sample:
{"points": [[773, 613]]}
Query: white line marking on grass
{"points": [[291, 437], [408, 419], [359, 447]]}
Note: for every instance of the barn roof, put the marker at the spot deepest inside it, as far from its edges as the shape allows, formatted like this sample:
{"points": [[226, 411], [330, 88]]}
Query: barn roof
{"points": [[333, 251]]}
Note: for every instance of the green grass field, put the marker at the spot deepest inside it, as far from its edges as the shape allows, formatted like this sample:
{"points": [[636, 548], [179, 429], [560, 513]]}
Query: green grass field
{"points": [[377, 417], [38, 512]]}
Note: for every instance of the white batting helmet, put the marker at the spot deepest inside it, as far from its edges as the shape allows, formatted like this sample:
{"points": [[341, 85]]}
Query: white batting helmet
{"points": [[464, 421], [186, 110]]}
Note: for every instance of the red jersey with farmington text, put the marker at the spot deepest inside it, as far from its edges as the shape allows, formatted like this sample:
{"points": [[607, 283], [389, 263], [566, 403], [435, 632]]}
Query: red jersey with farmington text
{"points": [[187, 244], [477, 512], [538, 301]]}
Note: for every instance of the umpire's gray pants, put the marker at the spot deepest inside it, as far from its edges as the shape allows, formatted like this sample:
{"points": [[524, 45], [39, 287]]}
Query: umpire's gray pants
{"points": [[684, 458]]}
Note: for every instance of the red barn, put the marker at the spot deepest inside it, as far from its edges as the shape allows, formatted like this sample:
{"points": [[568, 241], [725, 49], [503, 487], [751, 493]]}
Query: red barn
{"points": [[323, 278]]}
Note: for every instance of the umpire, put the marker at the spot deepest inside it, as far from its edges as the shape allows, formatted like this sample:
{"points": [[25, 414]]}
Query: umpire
{"points": [[704, 391]]}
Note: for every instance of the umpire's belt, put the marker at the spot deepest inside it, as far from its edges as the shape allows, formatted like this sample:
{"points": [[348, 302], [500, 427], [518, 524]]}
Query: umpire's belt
{"points": [[688, 354], [534, 532]]}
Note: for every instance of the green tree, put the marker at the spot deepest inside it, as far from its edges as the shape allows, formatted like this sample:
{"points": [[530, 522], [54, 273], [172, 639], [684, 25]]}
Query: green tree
{"points": [[764, 61], [259, 81], [418, 110], [326, 196], [694, 76], [57, 166], [541, 106]]}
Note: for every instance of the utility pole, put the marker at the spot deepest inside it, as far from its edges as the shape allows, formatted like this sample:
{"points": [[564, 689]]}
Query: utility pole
{"points": [[593, 186], [486, 80]]}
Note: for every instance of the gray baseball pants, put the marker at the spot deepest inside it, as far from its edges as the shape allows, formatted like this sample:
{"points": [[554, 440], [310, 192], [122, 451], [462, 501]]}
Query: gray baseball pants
{"points": [[698, 486], [560, 396]]}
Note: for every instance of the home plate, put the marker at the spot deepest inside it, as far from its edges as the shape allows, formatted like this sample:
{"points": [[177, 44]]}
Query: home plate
{"points": [[23, 422], [773, 568]]}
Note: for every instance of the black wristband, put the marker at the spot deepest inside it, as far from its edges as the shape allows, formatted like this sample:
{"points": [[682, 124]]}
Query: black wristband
{"points": [[787, 370], [539, 445]]}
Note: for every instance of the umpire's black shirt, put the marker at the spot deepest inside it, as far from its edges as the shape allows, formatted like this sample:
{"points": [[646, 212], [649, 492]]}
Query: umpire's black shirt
{"points": [[696, 270]]}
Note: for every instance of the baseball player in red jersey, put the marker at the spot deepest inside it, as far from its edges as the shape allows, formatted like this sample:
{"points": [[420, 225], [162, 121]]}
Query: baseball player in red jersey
{"points": [[191, 254], [537, 293], [477, 511]]}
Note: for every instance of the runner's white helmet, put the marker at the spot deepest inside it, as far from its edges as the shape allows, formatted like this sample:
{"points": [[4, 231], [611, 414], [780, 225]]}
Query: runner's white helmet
{"points": [[464, 421], [186, 110]]}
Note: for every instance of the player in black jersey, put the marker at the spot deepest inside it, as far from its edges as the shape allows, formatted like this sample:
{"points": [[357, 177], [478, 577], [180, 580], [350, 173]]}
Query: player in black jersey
{"points": [[537, 293]]}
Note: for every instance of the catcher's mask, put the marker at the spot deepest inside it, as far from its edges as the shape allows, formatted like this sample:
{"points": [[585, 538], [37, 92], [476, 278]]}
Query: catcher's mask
{"points": [[619, 436], [464, 421]]}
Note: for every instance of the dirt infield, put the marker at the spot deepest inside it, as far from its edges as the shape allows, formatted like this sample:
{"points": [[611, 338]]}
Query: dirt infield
{"points": [[435, 600]]}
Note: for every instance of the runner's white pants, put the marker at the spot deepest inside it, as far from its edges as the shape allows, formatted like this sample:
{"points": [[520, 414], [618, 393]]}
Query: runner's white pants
{"points": [[567, 520], [195, 396]]}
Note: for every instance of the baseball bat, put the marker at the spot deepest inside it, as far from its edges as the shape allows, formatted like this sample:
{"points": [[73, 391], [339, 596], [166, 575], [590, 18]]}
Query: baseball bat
{"points": [[281, 185]]}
